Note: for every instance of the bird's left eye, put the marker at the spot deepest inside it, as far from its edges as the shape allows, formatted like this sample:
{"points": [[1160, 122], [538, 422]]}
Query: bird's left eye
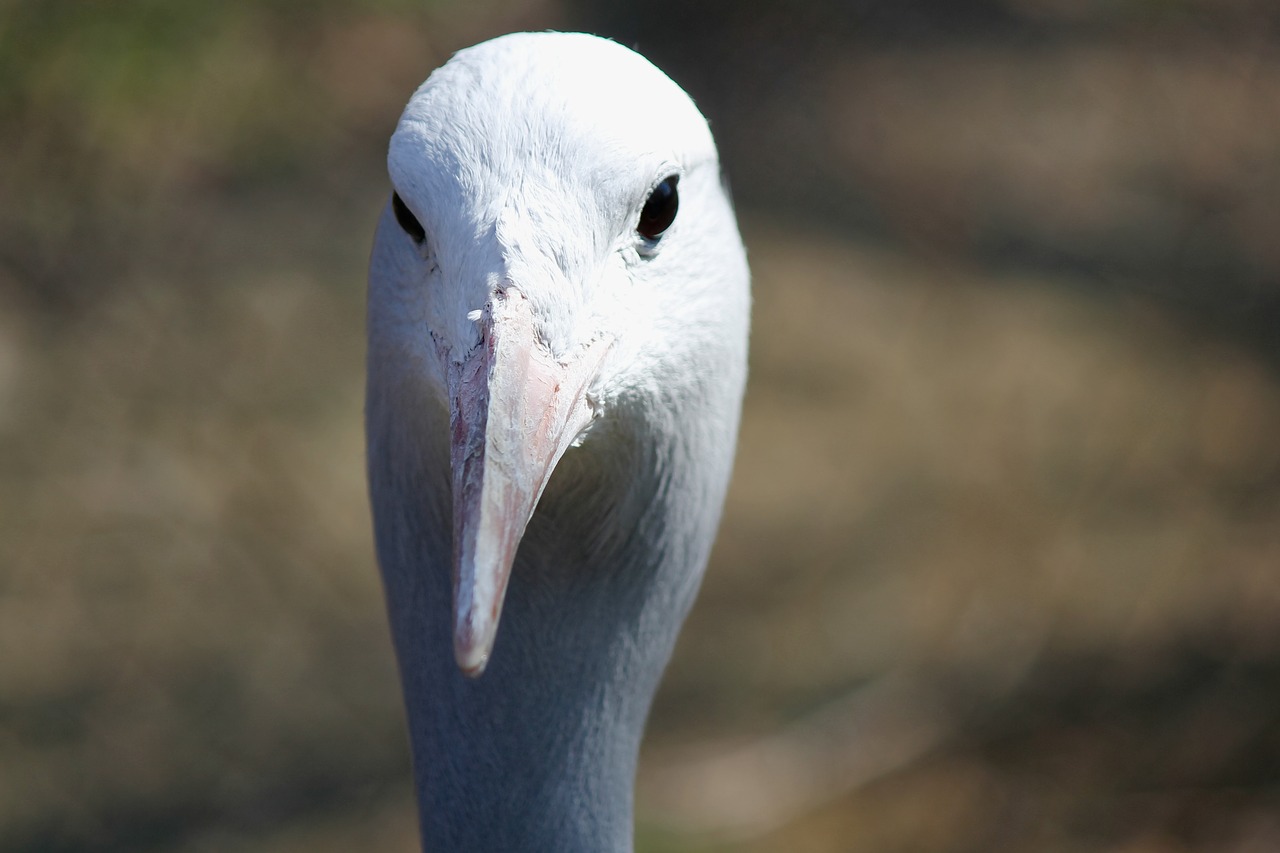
{"points": [[660, 210]]}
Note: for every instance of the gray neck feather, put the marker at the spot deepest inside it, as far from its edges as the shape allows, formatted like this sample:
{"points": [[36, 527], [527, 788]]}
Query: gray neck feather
{"points": [[540, 752]]}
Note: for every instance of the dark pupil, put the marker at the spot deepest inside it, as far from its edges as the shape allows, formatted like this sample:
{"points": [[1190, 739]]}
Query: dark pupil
{"points": [[660, 210], [407, 220]]}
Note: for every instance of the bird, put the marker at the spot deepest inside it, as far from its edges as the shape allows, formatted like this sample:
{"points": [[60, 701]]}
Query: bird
{"points": [[557, 317]]}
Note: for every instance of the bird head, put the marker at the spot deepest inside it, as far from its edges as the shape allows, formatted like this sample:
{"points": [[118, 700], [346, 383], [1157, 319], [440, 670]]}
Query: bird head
{"points": [[558, 240]]}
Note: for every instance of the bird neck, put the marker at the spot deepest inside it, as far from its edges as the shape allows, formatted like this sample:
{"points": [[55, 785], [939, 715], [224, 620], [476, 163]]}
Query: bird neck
{"points": [[540, 752]]}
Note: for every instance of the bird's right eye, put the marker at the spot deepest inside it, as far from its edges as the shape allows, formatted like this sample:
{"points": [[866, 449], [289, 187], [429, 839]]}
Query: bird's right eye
{"points": [[407, 220]]}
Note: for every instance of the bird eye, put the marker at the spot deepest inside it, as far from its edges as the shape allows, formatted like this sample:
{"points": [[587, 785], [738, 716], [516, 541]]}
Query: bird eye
{"points": [[407, 220], [660, 210]]}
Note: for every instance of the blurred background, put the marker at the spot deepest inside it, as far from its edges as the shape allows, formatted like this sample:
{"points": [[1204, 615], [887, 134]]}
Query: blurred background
{"points": [[1000, 569]]}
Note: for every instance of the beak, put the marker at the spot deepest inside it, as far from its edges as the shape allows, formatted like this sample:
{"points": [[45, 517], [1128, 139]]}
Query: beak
{"points": [[514, 410]]}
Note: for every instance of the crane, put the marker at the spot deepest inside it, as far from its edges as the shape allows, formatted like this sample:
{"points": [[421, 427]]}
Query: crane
{"points": [[558, 314]]}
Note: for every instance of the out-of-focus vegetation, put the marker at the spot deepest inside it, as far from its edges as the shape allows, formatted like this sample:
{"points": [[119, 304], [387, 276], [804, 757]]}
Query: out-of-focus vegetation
{"points": [[1001, 565]]}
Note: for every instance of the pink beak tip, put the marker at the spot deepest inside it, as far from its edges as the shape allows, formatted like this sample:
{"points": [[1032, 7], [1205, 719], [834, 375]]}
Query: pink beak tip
{"points": [[472, 646], [473, 667]]}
